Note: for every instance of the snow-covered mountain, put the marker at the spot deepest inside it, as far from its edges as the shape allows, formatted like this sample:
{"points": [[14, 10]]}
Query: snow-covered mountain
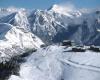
{"points": [[15, 35], [57, 23], [21, 28], [14, 41]]}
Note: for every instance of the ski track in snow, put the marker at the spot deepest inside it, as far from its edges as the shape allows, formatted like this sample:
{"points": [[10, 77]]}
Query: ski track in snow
{"points": [[50, 64]]}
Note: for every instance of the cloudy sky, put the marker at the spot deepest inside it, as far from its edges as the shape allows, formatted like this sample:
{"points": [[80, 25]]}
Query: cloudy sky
{"points": [[44, 4]]}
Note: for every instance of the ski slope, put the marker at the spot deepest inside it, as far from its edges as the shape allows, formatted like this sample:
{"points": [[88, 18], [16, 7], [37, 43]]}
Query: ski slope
{"points": [[53, 63]]}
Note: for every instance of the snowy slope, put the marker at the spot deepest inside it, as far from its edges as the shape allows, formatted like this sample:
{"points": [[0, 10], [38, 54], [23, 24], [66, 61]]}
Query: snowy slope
{"points": [[14, 41], [56, 63]]}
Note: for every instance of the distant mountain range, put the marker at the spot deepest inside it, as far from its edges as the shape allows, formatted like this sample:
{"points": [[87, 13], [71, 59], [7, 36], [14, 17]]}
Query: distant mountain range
{"points": [[22, 29], [56, 23]]}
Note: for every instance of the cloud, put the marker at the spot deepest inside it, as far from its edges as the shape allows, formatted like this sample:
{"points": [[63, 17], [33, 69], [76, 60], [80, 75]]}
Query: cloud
{"points": [[67, 5], [64, 8]]}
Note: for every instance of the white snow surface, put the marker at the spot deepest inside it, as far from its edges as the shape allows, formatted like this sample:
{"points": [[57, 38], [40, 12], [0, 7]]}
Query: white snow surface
{"points": [[55, 63], [14, 41]]}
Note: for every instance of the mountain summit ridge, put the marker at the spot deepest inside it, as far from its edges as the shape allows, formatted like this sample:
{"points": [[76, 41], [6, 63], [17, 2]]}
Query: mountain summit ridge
{"points": [[50, 24]]}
